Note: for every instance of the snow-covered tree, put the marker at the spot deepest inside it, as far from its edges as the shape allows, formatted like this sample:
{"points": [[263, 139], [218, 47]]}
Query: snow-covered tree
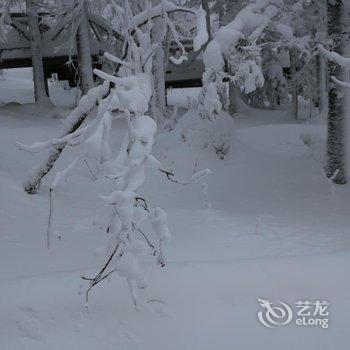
{"points": [[126, 207], [127, 240]]}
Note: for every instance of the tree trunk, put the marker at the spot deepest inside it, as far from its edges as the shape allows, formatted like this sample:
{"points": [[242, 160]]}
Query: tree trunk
{"points": [[205, 5], [293, 54], [322, 84], [159, 101], [40, 93], [86, 78], [336, 144], [237, 102], [221, 14]]}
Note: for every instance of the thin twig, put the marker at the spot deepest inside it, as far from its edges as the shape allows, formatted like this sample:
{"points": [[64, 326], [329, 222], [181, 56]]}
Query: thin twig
{"points": [[98, 278], [170, 176], [143, 204], [91, 172], [147, 240], [50, 220]]}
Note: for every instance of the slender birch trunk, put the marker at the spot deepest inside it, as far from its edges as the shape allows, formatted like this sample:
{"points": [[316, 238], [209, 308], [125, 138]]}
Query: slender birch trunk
{"points": [[40, 93], [206, 8], [86, 77]]}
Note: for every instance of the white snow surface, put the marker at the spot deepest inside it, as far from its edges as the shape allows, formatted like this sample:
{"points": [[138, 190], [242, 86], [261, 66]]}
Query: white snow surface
{"points": [[18, 87], [220, 261]]}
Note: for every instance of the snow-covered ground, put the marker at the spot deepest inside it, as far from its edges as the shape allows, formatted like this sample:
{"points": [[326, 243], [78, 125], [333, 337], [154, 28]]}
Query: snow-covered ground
{"points": [[18, 87], [275, 231], [182, 97]]}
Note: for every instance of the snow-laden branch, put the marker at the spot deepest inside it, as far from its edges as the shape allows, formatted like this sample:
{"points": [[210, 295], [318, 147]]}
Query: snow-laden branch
{"points": [[340, 83], [37, 147], [72, 123], [114, 59], [106, 76], [194, 178], [335, 57], [85, 105]]}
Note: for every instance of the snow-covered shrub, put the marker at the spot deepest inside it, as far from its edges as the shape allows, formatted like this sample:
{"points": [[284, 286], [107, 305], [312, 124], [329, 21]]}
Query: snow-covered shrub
{"points": [[201, 133]]}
